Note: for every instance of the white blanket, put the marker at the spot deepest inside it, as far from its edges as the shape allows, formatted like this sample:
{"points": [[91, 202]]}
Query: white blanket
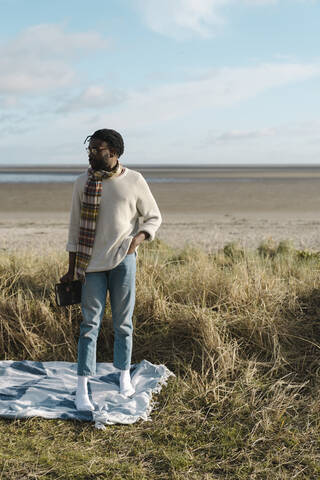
{"points": [[47, 389]]}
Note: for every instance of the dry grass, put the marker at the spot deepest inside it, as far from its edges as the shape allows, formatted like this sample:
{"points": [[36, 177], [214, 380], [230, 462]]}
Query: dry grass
{"points": [[241, 331]]}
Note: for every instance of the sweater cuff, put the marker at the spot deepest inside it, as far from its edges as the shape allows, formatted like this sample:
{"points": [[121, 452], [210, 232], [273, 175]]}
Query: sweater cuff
{"points": [[71, 247], [151, 234]]}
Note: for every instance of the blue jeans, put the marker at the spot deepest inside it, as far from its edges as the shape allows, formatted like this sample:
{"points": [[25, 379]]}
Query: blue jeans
{"points": [[120, 281]]}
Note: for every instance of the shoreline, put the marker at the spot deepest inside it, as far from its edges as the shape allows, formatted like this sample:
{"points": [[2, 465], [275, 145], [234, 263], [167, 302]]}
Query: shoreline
{"points": [[187, 171]]}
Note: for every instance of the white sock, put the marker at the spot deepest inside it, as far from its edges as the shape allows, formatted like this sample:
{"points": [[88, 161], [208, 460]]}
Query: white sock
{"points": [[126, 387], [82, 401]]}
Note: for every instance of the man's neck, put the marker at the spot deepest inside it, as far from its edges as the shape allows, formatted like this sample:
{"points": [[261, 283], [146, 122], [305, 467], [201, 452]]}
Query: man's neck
{"points": [[114, 163]]}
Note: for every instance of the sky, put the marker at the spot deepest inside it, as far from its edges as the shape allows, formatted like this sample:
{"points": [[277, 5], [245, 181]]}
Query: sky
{"points": [[188, 82]]}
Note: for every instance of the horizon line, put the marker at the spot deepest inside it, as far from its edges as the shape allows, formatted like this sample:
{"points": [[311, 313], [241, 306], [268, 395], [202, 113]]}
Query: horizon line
{"points": [[161, 166]]}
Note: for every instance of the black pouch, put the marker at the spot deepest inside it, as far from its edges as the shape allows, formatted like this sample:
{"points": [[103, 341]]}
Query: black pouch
{"points": [[68, 293]]}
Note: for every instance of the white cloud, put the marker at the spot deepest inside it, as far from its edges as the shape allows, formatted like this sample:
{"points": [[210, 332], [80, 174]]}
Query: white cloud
{"points": [[152, 119], [292, 142], [39, 58], [219, 88], [51, 40], [181, 19], [154, 108], [236, 135], [93, 97], [9, 102], [260, 2]]}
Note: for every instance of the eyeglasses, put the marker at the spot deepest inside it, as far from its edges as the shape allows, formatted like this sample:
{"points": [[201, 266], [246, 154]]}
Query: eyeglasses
{"points": [[95, 150]]}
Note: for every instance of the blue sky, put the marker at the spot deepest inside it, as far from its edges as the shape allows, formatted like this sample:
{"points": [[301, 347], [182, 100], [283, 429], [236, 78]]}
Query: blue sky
{"points": [[184, 81]]}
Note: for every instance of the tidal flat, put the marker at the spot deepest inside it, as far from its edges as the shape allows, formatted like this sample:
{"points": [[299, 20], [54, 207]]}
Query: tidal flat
{"points": [[206, 207]]}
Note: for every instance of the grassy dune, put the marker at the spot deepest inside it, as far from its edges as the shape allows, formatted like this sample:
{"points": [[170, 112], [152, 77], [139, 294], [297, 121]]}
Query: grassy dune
{"points": [[241, 331]]}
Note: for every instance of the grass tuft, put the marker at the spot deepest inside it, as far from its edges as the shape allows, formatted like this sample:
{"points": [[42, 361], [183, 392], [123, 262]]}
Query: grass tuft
{"points": [[241, 331]]}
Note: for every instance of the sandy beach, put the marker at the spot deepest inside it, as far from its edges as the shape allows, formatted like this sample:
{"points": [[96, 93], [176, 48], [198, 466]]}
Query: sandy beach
{"points": [[218, 207]]}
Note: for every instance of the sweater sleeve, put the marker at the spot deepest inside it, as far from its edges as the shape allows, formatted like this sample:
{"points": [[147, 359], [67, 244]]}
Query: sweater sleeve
{"points": [[74, 223], [148, 209]]}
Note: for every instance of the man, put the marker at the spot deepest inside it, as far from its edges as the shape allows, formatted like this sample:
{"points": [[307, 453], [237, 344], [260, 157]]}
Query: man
{"points": [[104, 235]]}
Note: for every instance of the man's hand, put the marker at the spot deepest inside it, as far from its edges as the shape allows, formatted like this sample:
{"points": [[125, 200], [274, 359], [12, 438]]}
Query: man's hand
{"points": [[136, 241], [68, 277]]}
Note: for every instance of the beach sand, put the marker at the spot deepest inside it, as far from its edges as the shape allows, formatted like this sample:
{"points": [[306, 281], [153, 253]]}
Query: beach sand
{"points": [[273, 205]]}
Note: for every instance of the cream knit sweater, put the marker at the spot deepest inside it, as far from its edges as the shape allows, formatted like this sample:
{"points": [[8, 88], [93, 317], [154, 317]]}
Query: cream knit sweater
{"points": [[127, 207]]}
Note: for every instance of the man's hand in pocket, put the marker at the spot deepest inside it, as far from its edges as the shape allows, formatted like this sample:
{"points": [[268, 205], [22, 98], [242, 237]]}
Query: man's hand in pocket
{"points": [[136, 241]]}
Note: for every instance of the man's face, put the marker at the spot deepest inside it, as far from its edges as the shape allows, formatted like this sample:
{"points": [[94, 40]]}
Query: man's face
{"points": [[100, 157]]}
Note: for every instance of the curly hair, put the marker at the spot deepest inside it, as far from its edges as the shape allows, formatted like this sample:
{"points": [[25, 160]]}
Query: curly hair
{"points": [[111, 137]]}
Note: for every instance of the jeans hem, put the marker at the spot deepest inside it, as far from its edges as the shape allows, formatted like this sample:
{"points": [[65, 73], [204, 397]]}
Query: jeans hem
{"points": [[121, 368], [85, 374]]}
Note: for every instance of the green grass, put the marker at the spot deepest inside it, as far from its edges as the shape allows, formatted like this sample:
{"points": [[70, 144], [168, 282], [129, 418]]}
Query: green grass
{"points": [[240, 330]]}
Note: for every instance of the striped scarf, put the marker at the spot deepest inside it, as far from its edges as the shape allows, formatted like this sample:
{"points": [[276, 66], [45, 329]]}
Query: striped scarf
{"points": [[88, 217]]}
